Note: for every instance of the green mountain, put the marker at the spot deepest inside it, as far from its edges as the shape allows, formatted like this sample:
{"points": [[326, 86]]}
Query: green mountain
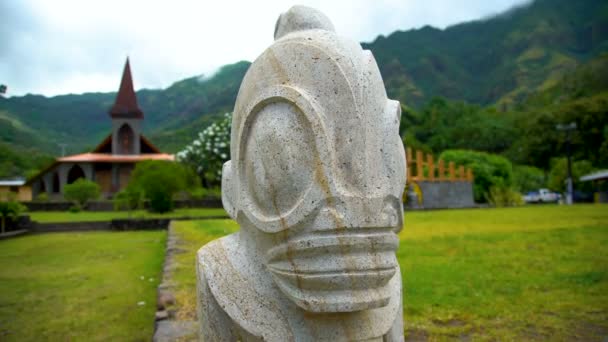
{"points": [[499, 60], [496, 74], [17, 156]]}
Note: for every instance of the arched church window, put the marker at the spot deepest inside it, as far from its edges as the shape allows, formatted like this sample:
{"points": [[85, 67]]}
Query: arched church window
{"points": [[126, 140]]}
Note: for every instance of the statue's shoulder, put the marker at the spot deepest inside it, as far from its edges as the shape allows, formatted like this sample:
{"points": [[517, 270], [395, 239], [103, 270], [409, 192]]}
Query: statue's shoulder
{"points": [[222, 290], [215, 254], [217, 325]]}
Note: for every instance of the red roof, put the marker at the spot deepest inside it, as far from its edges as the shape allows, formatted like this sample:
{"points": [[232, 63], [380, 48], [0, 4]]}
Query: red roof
{"points": [[103, 158], [125, 105], [116, 158]]}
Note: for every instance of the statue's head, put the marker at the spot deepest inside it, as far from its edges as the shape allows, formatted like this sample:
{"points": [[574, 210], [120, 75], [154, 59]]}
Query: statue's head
{"points": [[317, 167]]}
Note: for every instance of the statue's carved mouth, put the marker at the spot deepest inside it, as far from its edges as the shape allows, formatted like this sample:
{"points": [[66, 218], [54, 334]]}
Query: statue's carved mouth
{"points": [[354, 262]]}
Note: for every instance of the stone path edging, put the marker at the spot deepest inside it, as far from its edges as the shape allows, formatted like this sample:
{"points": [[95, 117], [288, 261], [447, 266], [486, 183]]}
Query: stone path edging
{"points": [[167, 327], [13, 233]]}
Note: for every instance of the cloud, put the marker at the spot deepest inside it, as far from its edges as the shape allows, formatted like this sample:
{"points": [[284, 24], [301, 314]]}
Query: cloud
{"points": [[64, 46]]}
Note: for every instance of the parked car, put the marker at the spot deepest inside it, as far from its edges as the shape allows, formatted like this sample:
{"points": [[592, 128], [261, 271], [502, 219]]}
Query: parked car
{"points": [[542, 196], [532, 197]]}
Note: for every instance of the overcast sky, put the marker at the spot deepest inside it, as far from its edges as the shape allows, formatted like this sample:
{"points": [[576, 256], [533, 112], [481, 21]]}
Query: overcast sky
{"points": [[61, 46]]}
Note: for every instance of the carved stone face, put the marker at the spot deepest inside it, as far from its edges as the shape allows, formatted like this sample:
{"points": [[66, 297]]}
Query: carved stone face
{"points": [[318, 170]]}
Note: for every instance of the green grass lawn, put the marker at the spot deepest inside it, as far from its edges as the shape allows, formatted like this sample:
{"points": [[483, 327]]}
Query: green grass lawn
{"points": [[192, 235], [531, 273], [98, 286], [85, 216]]}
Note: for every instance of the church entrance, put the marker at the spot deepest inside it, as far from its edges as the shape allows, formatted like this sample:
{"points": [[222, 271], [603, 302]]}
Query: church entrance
{"points": [[56, 185], [75, 173]]}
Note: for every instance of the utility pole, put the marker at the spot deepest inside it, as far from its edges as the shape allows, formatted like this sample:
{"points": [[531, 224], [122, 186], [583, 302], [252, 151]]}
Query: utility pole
{"points": [[569, 186], [63, 146]]}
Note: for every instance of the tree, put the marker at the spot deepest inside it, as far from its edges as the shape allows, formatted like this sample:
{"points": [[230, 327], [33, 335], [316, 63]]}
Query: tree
{"points": [[10, 209], [159, 181], [490, 170], [559, 174], [81, 191], [444, 124], [208, 153], [528, 178]]}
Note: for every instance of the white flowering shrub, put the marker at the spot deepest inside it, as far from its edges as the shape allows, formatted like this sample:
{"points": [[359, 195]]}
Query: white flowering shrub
{"points": [[207, 153]]}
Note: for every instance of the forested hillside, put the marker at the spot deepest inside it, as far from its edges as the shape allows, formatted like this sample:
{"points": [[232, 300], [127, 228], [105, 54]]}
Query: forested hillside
{"points": [[500, 60], [526, 134], [499, 85]]}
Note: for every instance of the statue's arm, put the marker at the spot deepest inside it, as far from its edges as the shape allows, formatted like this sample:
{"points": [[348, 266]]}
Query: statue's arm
{"points": [[214, 323]]}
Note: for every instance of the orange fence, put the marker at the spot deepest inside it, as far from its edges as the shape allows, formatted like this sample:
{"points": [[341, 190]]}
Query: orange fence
{"points": [[424, 168]]}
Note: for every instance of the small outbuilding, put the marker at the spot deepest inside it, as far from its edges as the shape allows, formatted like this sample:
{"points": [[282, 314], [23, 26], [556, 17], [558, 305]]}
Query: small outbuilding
{"points": [[16, 188], [110, 164], [600, 180]]}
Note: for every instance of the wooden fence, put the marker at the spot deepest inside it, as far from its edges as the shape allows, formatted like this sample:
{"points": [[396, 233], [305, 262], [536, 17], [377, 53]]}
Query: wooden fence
{"points": [[424, 168]]}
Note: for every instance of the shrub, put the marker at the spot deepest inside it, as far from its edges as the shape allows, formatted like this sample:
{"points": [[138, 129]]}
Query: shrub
{"points": [[42, 197], [130, 198], [488, 169], [10, 209], [81, 191], [502, 196], [76, 208], [159, 181], [198, 193], [202, 193]]}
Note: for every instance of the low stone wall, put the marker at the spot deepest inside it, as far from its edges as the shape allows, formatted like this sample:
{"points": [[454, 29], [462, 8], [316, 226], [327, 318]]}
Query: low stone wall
{"points": [[199, 203], [47, 206], [22, 222], [109, 205], [115, 225], [24, 225], [442, 195], [139, 224], [69, 227]]}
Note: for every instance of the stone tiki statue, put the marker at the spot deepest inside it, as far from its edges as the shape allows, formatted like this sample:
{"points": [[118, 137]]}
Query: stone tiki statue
{"points": [[315, 181]]}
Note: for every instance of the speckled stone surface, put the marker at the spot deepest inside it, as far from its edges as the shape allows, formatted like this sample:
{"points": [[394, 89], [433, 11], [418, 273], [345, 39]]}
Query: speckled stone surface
{"points": [[315, 182]]}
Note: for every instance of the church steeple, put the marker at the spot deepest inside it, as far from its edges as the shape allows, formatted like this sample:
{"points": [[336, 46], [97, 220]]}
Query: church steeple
{"points": [[125, 105], [126, 117]]}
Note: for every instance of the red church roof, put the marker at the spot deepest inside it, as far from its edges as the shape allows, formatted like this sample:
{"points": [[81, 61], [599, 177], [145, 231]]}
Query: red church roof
{"points": [[125, 105], [115, 158]]}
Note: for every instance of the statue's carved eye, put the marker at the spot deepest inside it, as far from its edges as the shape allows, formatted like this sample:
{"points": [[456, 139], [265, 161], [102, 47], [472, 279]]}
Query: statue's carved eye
{"points": [[279, 158]]}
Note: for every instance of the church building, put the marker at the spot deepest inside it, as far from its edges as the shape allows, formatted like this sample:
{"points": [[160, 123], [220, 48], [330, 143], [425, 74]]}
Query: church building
{"points": [[110, 164]]}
